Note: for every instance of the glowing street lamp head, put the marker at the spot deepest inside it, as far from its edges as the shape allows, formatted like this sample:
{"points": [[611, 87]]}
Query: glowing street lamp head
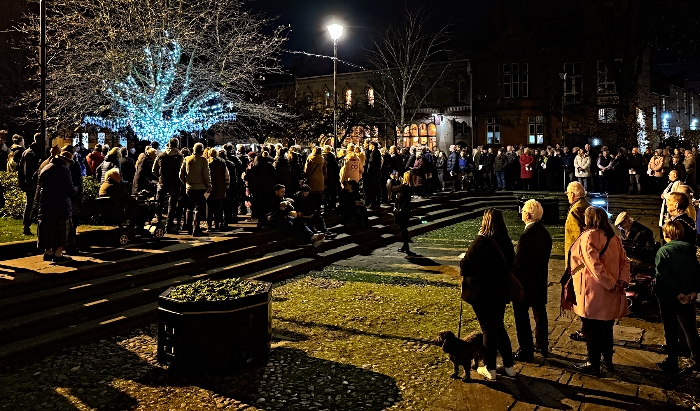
{"points": [[336, 30]]}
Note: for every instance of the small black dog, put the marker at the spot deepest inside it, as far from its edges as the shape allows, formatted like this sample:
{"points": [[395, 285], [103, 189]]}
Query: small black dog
{"points": [[462, 351]]}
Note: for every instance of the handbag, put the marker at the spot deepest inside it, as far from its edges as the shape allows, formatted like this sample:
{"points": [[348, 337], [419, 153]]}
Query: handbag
{"points": [[568, 295]]}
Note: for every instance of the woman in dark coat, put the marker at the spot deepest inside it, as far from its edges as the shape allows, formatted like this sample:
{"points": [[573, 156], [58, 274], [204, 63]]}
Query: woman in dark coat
{"points": [[144, 179], [402, 208], [111, 161], [75, 199], [220, 180], [284, 172], [531, 267], [485, 274], [54, 189], [261, 185]]}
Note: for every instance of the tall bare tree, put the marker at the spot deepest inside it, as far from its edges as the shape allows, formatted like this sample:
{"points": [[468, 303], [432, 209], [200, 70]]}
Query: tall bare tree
{"points": [[95, 44], [402, 57]]}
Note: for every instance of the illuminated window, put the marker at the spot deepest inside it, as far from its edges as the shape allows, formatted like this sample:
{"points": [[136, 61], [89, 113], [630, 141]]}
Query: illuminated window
{"points": [[654, 125], [422, 129], [536, 130], [432, 130], [348, 98], [493, 130], [606, 115], [414, 130], [370, 96]]}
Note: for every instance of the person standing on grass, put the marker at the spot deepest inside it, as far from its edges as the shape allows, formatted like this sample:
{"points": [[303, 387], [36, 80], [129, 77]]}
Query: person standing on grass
{"points": [[676, 288], [485, 274], [531, 267]]}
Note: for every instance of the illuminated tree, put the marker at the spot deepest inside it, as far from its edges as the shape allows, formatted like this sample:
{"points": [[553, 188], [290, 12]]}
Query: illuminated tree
{"points": [[213, 55]]}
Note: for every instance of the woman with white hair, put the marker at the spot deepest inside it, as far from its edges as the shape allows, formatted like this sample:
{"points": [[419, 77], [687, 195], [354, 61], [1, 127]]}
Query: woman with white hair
{"points": [[531, 267]]}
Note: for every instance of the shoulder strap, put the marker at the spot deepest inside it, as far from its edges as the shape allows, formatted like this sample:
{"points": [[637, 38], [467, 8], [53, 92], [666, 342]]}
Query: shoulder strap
{"points": [[605, 248]]}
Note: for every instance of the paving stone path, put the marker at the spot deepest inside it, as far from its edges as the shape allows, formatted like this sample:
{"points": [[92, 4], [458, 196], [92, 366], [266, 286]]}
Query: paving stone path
{"points": [[553, 383]]}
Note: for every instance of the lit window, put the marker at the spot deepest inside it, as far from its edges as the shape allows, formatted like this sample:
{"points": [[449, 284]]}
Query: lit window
{"points": [[606, 115], [327, 97], [370, 96], [493, 130], [536, 130], [654, 125], [348, 98]]}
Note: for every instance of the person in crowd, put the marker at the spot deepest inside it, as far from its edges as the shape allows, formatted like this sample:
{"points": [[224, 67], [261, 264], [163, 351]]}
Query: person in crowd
{"points": [[282, 168], [600, 273], [353, 167], [484, 272], [17, 147], [429, 161], [315, 171], [372, 182], [54, 190], [478, 175], [440, 169], [111, 160], [690, 169], [453, 168], [5, 155], [261, 183], [93, 160], [166, 169], [220, 181], [486, 163], [402, 208], [332, 179], [307, 211], [690, 210], [527, 164], [231, 200], [673, 184], [351, 206], [677, 165], [582, 167], [284, 216], [620, 172], [531, 267], [116, 191], [635, 162], [27, 173], [144, 179], [68, 151], [244, 165], [466, 169], [637, 239], [605, 171], [418, 172], [512, 168], [55, 151], [553, 170], [194, 175], [499, 166], [676, 206], [676, 287], [656, 170], [127, 165], [567, 159]]}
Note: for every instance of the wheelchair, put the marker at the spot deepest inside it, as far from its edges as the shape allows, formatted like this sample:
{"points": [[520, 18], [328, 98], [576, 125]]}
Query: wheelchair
{"points": [[142, 220]]}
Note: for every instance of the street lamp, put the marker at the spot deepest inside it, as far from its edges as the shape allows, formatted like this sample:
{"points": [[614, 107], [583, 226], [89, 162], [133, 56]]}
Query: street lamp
{"points": [[336, 30]]}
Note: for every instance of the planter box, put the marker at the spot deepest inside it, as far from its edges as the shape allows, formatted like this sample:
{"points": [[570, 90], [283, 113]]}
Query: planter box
{"points": [[214, 336]]}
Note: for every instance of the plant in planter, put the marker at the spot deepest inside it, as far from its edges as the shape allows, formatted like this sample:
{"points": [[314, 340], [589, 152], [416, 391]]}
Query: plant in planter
{"points": [[215, 326]]}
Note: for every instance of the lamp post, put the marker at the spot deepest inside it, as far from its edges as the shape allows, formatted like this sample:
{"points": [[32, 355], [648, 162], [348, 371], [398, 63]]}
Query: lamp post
{"points": [[562, 76], [43, 65], [336, 30]]}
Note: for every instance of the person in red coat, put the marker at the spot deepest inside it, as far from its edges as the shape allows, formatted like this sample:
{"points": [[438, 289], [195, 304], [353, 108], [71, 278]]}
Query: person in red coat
{"points": [[94, 160], [527, 163]]}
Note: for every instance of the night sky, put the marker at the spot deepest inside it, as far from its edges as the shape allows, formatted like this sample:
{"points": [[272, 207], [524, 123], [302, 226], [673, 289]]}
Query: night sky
{"points": [[362, 20]]}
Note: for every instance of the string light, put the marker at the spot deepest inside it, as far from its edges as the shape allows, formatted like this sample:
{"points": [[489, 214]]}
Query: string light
{"points": [[153, 110]]}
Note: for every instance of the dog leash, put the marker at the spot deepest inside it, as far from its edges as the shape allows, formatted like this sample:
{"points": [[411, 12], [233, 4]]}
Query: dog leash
{"points": [[459, 329]]}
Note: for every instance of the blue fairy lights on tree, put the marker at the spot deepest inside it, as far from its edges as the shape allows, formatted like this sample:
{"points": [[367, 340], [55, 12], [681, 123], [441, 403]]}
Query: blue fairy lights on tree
{"points": [[156, 106]]}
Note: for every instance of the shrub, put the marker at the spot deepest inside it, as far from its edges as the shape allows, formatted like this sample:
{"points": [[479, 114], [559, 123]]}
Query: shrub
{"points": [[215, 290], [14, 197]]}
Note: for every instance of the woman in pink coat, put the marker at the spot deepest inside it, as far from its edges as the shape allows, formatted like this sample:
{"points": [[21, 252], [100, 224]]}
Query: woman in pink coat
{"points": [[527, 163], [600, 272]]}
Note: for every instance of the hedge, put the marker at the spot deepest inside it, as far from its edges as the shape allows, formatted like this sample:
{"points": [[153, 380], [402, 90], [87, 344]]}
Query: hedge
{"points": [[14, 198]]}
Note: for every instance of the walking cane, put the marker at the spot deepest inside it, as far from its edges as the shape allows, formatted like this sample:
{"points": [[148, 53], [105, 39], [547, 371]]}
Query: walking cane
{"points": [[459, 329]]}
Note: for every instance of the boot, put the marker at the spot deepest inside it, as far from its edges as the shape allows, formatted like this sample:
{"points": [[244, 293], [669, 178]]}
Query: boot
{"points": [[188, 222]]}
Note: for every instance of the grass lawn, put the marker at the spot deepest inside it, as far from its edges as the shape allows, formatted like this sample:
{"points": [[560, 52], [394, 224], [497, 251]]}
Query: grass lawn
{"points": [[11, 230]]}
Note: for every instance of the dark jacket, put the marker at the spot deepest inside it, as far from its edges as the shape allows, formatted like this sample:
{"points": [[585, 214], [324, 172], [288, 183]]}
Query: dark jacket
{"points": [[144, 178], [488, 272], [109, 163], [531, 264], [568, 161], [332, 170], [220, 178], [636, 162], [487, 160], [688, 227], [500, 162], [284, 172], [128, 169], [677, 271], [453, 162], [639, 242], [402, 206], [54, 189], [679, 167], [374, 163], [166, 169], [28, 167], [116, 191]]}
